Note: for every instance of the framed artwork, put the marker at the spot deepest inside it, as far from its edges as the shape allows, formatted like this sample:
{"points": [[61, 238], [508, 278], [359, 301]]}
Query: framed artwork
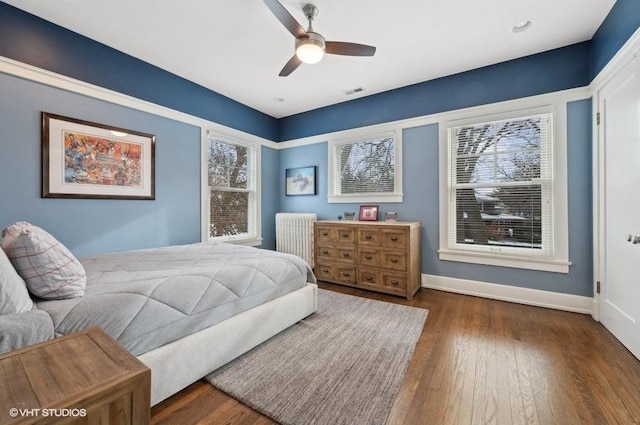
{"points": [[82, 159], [368, 213], [391, 216], [350, 215], [300, 181]]}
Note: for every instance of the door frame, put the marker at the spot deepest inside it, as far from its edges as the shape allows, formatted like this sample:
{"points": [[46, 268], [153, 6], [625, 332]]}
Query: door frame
{"points": [[622, 58]]}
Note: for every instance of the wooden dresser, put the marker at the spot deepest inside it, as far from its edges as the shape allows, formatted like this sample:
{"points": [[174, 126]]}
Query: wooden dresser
{"points": [[82, 378], [380, 256]]}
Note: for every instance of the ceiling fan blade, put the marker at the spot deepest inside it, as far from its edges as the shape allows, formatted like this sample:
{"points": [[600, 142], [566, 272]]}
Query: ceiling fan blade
{"points": [[285, 18], [349, 49], [291, 66]]}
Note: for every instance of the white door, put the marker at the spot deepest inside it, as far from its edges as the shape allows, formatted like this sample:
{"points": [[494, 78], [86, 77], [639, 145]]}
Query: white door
{"points": [[620, 290]]}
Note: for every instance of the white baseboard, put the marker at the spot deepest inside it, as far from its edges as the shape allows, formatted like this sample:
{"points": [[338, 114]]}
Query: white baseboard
{"points": [[515, 294]]}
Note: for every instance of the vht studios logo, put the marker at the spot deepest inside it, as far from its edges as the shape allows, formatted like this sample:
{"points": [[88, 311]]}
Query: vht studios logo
{"points": [[54, 413]]}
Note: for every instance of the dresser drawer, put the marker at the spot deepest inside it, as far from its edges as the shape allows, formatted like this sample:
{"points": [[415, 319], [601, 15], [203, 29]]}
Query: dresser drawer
{"points": [[336, 253], [345, 254], [395, 281], [394, 239], [326, 252], [346, 235], [395, 260], [368, 257], [325, 271], [369, 277], [368, 237], [345, 274], [326, 234]]}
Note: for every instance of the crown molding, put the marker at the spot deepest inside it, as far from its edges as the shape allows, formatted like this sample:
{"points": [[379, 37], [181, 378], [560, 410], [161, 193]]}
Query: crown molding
{"points": [[29, 72]]}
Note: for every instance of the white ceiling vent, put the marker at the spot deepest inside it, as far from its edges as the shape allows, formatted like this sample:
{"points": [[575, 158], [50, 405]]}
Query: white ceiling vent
{"points": [[353, 91]]}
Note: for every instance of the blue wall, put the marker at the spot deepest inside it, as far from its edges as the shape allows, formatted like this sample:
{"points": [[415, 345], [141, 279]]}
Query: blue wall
{"points": [[95, 226], [421, 203], [29, 39], [546, 72], [623, 20], [270, 182]]}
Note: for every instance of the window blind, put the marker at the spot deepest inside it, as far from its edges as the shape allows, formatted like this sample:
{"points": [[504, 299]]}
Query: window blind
{"points": [[365, 167], [231, 188], [500, 183]]}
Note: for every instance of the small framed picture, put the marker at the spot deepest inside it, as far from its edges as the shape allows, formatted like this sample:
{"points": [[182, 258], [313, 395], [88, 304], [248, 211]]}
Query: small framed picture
{"points": [[368, 213], [350, 215], [391, 216], [300, 181]]}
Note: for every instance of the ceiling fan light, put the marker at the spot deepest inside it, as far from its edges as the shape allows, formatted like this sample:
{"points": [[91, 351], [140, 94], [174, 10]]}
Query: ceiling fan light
{"points": [[310, 49], [309, 53]]}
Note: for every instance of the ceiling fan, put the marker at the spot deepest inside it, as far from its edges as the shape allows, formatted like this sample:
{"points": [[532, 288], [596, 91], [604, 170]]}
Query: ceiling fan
{"points": [[311, 46]]}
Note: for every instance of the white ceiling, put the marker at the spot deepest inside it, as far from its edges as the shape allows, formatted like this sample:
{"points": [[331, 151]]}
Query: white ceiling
{"points": [[237, 48]]}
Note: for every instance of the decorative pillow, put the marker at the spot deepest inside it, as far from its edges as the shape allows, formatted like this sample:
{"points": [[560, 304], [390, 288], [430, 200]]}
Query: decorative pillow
{"points": [[47, 266], [14, 297]]}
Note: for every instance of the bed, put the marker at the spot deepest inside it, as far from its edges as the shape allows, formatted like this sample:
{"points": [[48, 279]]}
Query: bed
{"points": [[183, 310]]}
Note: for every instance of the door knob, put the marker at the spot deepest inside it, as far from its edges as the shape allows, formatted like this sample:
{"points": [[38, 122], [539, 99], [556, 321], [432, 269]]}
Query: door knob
{"points": [[633, 239]]}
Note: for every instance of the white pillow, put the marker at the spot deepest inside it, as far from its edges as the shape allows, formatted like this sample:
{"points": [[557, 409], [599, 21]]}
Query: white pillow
{"points": [[14, 297], [49, 269]]}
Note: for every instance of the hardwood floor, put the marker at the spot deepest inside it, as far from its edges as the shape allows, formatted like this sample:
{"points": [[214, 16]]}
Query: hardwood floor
{"points": [[480, 361]]}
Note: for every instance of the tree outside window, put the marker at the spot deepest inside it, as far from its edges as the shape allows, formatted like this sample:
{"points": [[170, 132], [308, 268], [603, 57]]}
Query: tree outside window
{"points": [[230, 188], [366, 168], [500, 183]]}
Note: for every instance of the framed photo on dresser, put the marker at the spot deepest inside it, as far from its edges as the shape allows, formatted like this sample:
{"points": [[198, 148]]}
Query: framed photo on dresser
{"points": [[368, 213]]}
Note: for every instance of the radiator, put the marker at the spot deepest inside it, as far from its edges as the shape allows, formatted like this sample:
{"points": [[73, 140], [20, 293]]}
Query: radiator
{"points": [[294, 234]]}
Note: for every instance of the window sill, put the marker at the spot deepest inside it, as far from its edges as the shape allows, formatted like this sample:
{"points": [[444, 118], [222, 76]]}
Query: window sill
{"points": [[555, 266], [365, 199], [245, 242]]}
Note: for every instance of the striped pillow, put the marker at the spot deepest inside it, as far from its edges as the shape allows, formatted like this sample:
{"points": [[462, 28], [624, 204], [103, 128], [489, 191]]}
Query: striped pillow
{"points": [[49, 269]]}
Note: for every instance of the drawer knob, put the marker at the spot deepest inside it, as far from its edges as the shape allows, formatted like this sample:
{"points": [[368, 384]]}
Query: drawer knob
{"points": [[345, 235], [346, 274], [325, 233], [394, 260], [369, 278], [345, 254], [325, 252], [394, 239], [394, 282], [325, 270], [368, 257], [367, 237]]}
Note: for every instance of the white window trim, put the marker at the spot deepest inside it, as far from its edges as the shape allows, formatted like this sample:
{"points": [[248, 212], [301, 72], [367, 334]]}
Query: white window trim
{"points": [[397, 196], [254, 238], [560, 261]]}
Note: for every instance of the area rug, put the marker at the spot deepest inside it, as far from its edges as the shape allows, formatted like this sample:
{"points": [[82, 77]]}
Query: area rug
{"points": [[343, 364]]}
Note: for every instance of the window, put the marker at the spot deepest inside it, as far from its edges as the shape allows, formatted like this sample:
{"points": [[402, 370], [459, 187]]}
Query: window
{"points": [[231, 180], [501, 191], [366, 169]]}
